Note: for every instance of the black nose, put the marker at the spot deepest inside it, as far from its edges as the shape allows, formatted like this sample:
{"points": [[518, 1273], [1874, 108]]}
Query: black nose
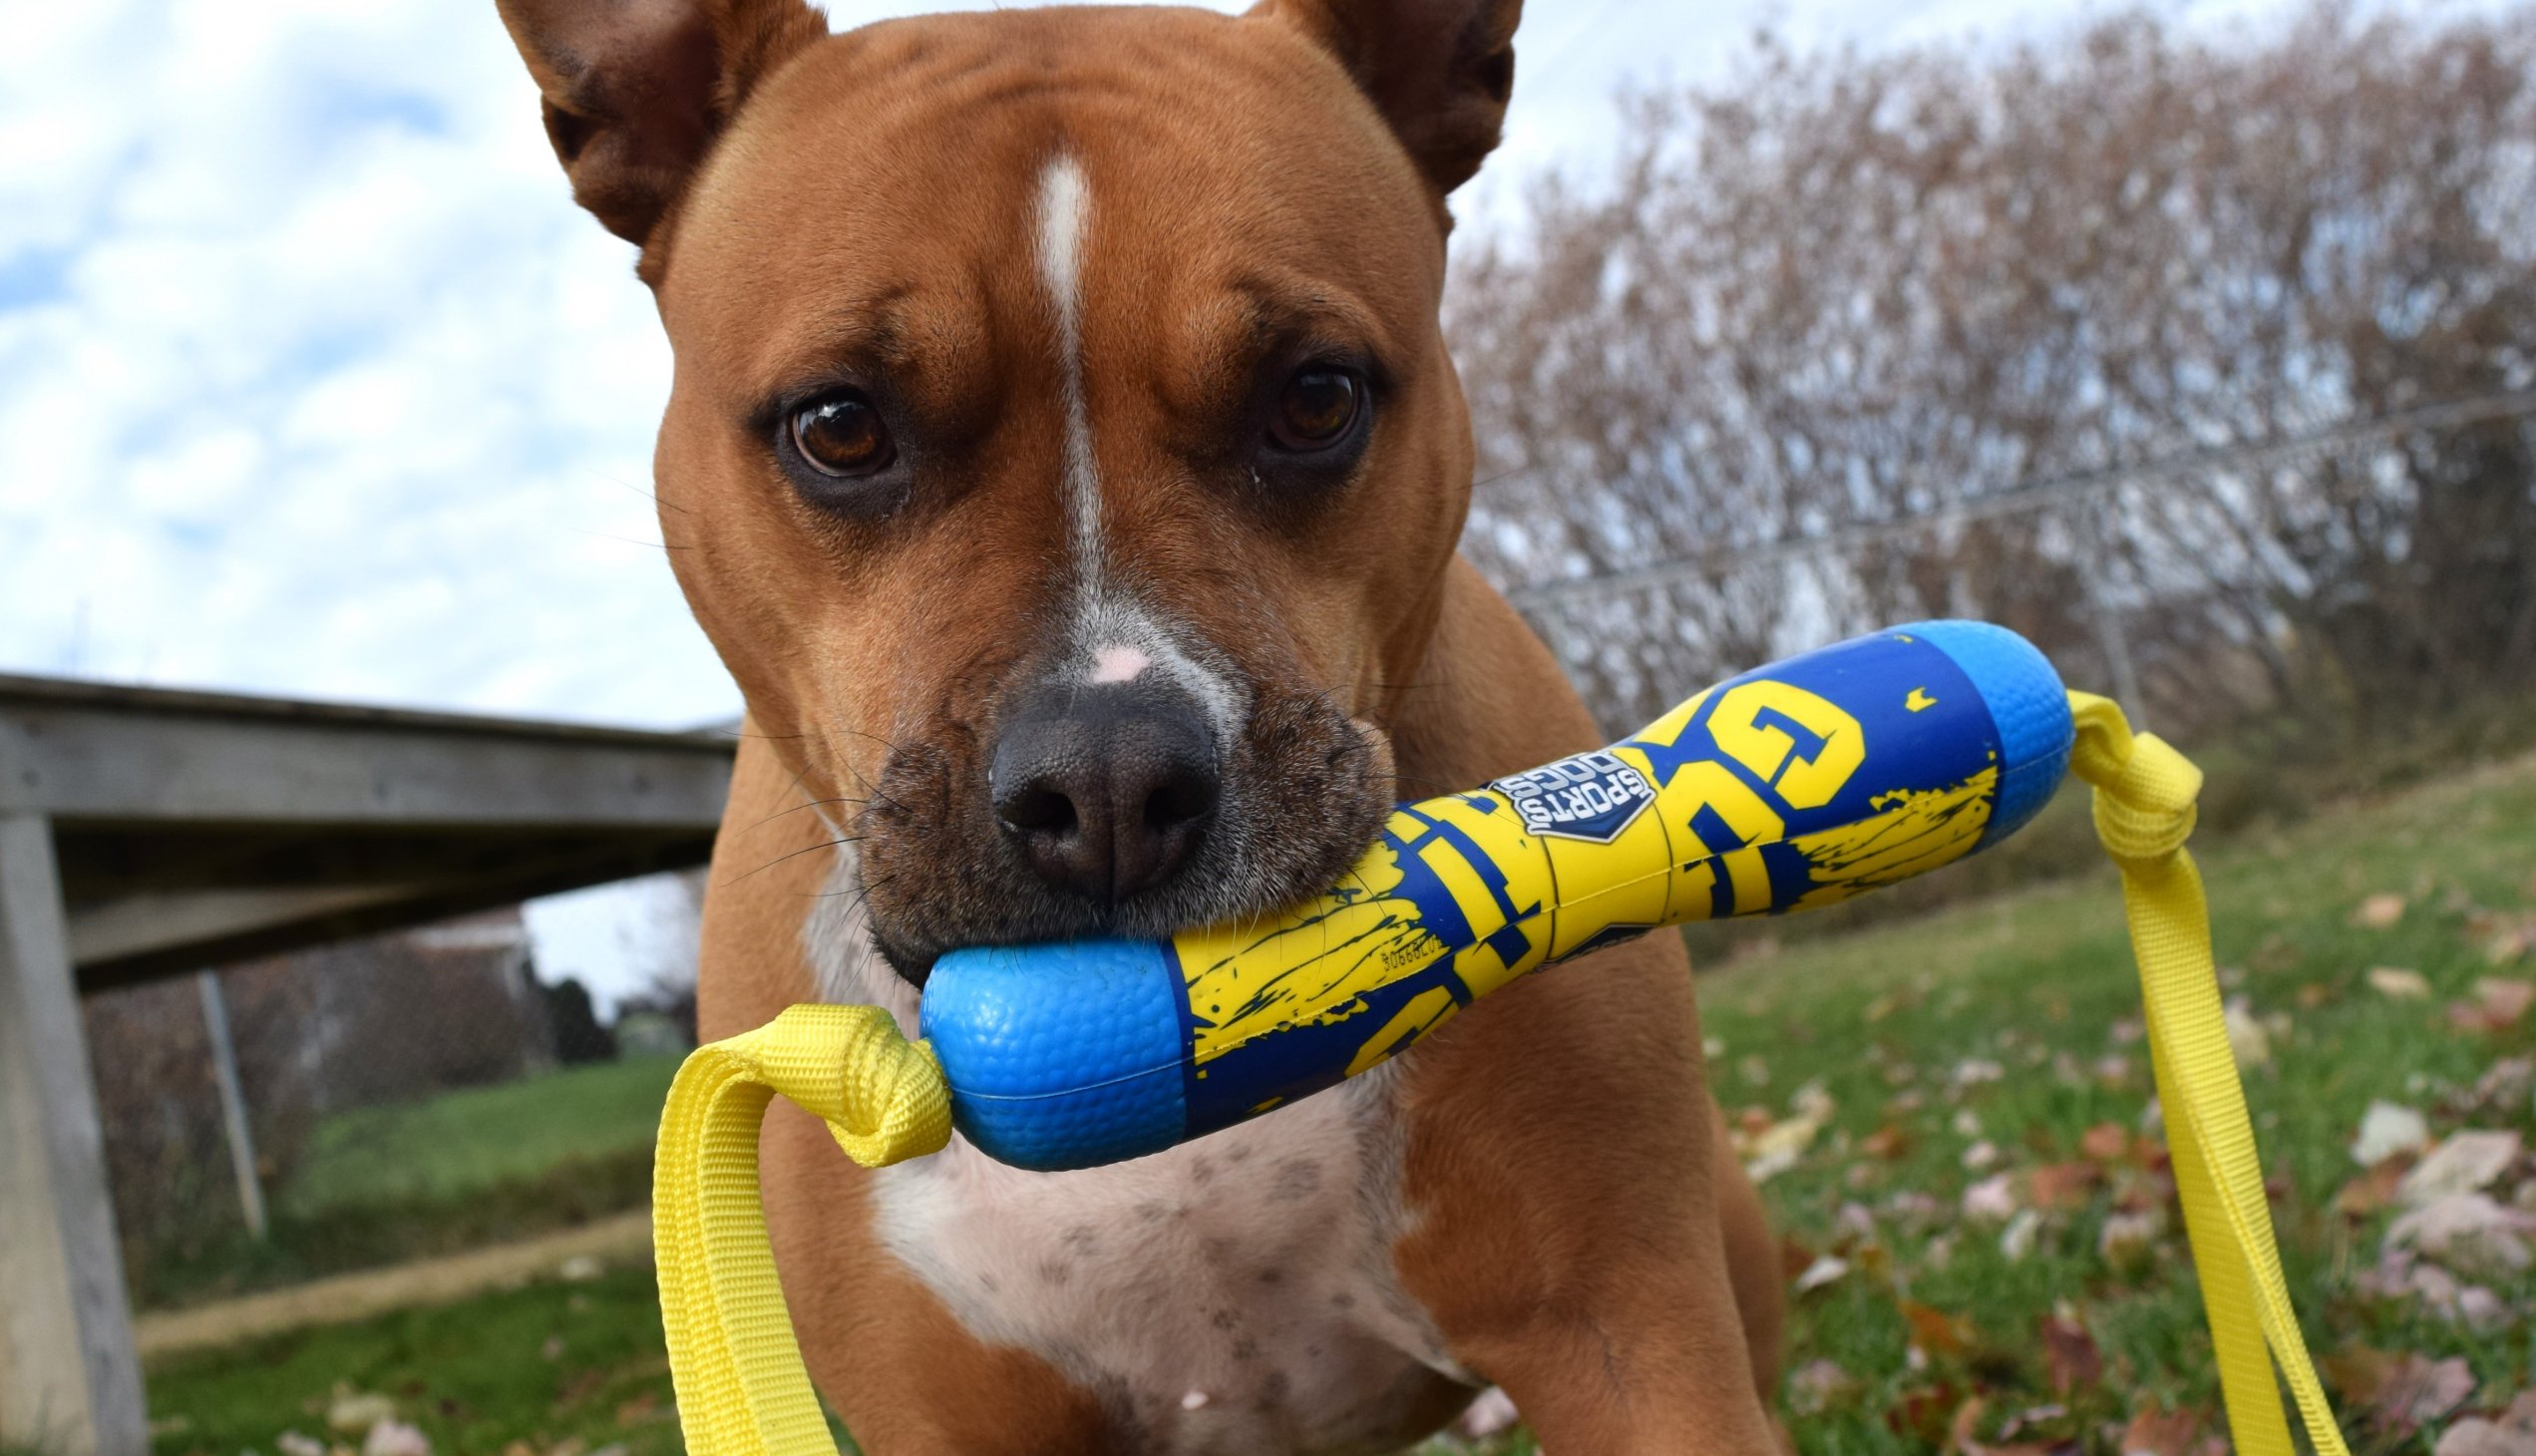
{"points": [[1107, 789]]}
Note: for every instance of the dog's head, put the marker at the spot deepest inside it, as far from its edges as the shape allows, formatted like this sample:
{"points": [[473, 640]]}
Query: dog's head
{"points": [[1063, 453]]}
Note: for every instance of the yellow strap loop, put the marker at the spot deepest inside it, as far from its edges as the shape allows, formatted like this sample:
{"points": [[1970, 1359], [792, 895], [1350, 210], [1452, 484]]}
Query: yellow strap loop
{"points": [[742, 1391], [2144, 792]]}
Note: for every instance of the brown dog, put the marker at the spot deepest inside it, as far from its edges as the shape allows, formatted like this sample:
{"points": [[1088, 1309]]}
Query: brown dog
{"points": [[1069, 468]]}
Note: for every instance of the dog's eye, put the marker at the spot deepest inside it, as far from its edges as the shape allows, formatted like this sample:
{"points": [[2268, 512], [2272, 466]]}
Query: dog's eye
{"points": [[842, 433], [1317, 410]]}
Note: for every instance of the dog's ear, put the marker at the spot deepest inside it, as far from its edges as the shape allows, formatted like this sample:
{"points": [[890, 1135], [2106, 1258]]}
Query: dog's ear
{"points": [[1440, 71], [635, 91]]}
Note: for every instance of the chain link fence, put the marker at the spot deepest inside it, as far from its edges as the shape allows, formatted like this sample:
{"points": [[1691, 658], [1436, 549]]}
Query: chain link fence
{"points": [[374, 1102]]}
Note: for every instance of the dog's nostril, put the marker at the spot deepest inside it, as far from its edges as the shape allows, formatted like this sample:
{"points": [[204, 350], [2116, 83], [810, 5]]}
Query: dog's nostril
{"points": [[1038, 811], [1178, 802]]}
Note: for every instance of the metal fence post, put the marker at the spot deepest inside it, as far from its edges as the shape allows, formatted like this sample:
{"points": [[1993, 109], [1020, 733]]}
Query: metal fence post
{"points": [[241, 1136]]}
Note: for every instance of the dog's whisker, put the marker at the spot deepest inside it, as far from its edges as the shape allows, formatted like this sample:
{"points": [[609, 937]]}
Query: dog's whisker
{"points": [[807, 804], [660, 545], [794, 855], [652, 496]]}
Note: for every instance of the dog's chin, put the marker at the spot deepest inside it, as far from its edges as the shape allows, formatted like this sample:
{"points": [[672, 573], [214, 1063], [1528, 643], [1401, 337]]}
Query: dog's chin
{"points": [[914, 966]]}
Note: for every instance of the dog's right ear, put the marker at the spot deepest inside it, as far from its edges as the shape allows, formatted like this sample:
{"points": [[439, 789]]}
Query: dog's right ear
{"points": [[635, 91]]}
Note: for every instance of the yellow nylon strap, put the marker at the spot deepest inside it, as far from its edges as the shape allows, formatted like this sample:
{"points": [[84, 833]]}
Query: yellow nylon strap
{"points": [[2144, 792], [742, 1391]]}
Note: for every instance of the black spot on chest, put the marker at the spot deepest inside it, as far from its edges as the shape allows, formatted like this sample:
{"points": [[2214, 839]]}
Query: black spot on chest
{"points": [[1297, 1177]]}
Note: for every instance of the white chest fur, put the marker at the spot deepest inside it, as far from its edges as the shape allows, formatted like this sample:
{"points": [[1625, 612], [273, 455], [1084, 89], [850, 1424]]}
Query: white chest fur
{"points": [[1230, 1295]]}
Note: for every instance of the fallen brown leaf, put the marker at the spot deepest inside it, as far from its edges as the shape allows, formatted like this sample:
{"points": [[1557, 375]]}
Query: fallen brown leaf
{"points": [[2064, 1184], [2374, 1191], [2503, 939], [2071, 1353], [1923, 1413], [1935, 1331], [2512, 1432], [2498, 1006], [2475, 1436], [2464, 1162], [1888, 1143], [580, 1388], [1968, 1419], [2153, 1432], [2470, 1232], [1818, 1385], [2400, 1391], [2379, 911], [2106, 1142], [1795, 1256]]}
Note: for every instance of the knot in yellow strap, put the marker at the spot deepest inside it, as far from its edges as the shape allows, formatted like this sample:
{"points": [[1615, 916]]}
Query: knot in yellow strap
{"points": [[742, 1391], [882, 1096], [2144, 793], [2144, 789]]}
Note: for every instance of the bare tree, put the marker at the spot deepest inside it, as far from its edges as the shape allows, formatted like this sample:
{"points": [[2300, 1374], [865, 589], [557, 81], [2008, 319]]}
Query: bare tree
{"points": [[1842, 289]]}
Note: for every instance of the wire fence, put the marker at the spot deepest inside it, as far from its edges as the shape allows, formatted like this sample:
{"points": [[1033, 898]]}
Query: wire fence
{"points": [[370, 1103], [2126, 555]]}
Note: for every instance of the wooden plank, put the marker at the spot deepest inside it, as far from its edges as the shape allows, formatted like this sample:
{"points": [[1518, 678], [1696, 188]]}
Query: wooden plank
{"points": [[140, 925], [75, 761], [70, 1382], [215, 930]]}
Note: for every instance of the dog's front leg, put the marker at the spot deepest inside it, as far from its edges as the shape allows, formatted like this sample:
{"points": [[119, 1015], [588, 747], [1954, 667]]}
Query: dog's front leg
{"points": [[1582, 1236]]}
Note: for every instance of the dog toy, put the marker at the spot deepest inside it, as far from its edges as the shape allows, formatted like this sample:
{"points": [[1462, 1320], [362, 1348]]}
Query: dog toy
{"points": [[1794, 786], [1798, 785]]}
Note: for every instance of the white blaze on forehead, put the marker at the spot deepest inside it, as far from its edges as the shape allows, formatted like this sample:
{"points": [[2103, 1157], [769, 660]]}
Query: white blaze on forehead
{"points": [[1065, 214], [1114, 639]]}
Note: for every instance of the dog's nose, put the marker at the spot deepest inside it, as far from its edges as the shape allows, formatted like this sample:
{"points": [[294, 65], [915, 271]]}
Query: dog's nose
{"points": [[1107, 789]]}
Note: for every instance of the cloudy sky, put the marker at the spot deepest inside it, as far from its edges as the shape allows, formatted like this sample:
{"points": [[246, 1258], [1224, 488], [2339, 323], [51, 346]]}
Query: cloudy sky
{"points": [[313, 382]]}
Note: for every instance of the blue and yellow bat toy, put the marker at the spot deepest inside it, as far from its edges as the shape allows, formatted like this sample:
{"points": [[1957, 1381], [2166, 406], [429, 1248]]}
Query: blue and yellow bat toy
{"points": [[1797, 785], [1800, 784]]}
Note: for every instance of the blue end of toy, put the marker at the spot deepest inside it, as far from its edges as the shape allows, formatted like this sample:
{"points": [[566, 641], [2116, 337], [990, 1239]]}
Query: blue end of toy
{"points": [[1088, 1076], [2027, 705]]}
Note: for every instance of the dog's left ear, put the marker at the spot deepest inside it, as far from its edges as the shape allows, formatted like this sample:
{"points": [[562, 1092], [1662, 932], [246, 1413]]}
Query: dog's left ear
{"points": [[1439, 71], [635, 91]]}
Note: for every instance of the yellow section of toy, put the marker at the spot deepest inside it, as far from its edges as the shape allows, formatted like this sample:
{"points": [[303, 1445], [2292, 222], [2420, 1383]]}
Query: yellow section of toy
{"points": [[1628, 881], [1916, 831]]}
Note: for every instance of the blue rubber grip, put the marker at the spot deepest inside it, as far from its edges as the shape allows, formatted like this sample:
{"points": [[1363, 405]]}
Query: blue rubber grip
{"points": [[2028, 707], [1064, 1055]]}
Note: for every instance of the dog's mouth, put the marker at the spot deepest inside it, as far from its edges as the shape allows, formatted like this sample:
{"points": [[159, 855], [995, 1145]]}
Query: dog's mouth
{"points": [[966, 845]]}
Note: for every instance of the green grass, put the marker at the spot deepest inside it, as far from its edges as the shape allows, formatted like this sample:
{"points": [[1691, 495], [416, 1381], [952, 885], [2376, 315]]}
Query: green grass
{"points": [[543, 1364], [534, 1372], [465, 1142], [2039, 982], [459, 1171]]}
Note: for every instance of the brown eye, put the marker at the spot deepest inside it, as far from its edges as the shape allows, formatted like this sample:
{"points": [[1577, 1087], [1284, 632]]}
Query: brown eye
{"points": [[843, 435], [1317, 410]]}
